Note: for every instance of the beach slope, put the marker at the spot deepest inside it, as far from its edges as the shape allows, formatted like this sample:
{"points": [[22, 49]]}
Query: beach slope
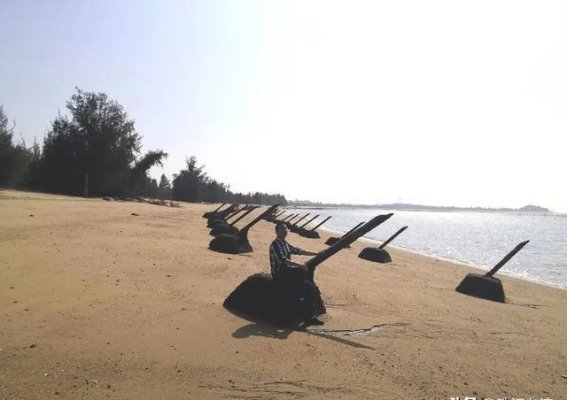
{"points": [[122, 300]]}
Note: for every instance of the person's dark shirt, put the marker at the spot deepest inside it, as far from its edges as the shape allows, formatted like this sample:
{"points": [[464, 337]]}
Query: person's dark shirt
{"points": [[280, 250]]}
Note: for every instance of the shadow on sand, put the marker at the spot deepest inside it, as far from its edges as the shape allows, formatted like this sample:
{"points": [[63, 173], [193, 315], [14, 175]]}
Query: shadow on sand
{"points": [[261, 329], [266, 330], [338, 339]]}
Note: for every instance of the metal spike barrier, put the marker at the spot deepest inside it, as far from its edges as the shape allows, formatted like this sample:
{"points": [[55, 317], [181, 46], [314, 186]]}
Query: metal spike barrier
{"points": [[260, 298], [487, 286], [237, 243], [332, 240], [208, 213], [380, 254], [312, 233], [225, 227]]}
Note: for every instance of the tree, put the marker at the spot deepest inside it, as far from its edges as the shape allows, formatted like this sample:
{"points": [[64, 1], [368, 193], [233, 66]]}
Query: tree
{"points": [[188, 185], [192, 184], [14, 160], [97, 143], [32, 175], [164, 188], [140, 183], [5, 149]]}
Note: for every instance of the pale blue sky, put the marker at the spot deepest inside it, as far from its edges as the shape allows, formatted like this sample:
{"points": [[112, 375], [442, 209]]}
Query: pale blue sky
{"points": [[440, 102]]}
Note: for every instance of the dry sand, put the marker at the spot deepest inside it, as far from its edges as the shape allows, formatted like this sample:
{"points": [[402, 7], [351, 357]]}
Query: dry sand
{"points": [[98, 303]]}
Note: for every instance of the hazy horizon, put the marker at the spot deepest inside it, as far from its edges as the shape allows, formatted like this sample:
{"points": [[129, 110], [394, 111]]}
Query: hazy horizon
{"points": [[308, 204], [437, 103]]}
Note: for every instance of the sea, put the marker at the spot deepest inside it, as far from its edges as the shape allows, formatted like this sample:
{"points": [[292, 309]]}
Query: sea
{"points": [[475, 238]]}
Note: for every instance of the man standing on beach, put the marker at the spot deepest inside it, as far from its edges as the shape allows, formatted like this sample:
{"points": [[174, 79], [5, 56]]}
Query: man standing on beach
{"points": [[290, 274]]}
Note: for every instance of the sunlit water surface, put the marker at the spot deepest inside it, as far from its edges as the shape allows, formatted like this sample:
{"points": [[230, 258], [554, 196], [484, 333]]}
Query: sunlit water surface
{"points": [[475, 238]]}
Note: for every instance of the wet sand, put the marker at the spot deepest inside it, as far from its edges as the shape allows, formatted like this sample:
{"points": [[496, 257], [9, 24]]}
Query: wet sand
{"points": [[98, 303]]}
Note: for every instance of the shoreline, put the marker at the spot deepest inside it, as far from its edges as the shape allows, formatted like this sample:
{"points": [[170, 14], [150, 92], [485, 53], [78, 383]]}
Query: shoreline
{"points": [[125, 300], [480, 268]]}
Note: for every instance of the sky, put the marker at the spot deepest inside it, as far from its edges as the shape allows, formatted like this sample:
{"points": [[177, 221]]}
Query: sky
{"points": [[443, 103]]}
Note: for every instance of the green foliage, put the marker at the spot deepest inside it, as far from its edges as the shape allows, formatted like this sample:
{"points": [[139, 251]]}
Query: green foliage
{"points": [[14, 160], [192, 184], [152, 158], [164, 188], [97, 143], [96, 147], [140, 183], [97, 140]]}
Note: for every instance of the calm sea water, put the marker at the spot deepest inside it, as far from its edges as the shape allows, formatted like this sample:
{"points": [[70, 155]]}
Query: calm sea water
{"points": [[474, 238]]}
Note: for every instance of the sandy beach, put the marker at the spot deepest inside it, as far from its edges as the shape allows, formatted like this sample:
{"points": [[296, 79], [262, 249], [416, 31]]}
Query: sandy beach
{"points": [[96, 302]]}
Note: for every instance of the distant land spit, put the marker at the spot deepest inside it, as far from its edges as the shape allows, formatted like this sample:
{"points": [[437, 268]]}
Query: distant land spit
{"points": [[416, 207]]}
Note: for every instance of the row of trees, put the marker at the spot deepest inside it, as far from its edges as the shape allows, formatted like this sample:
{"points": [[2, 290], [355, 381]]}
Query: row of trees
{"points": [[192, 184], [95, 151]]}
